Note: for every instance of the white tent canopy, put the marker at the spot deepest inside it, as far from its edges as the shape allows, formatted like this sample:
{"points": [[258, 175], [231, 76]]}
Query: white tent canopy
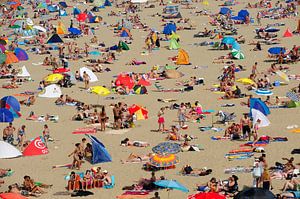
{"points": [[91, 74], [24, 72], [8, 151], [257, 115], [51, 91]]}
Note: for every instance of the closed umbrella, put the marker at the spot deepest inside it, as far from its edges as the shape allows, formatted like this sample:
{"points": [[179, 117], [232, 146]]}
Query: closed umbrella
{"points": [[254, 193], [167, 148], [8, 151], [163, 161], [271, 29]]}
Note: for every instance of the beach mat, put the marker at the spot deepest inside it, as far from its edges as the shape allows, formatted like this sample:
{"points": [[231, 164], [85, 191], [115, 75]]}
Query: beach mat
{"points": [[85, 130], [117, 132]]}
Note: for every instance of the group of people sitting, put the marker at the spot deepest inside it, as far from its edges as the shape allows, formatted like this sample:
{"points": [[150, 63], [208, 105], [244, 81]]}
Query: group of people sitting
{"points": [[94, 178]]}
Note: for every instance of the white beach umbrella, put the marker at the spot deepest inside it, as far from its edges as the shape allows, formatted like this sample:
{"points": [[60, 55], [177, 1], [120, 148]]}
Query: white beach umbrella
{"points": [[8, 151]]}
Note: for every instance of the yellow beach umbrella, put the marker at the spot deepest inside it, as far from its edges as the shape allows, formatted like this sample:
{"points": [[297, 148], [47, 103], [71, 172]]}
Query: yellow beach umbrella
{"points": [[100, 90], [206, 3], [53, 78], [246, 81]]}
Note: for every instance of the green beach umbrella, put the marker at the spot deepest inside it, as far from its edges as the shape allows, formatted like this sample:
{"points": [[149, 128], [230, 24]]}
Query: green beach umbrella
{"points": [[15, 26], [2, 58], [237, 54]]}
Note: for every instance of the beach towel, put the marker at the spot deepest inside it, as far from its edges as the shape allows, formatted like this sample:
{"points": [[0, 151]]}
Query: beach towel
{"points": [[238, 169], [85, 130], [62, 166], [219, 138], [117, 132]]}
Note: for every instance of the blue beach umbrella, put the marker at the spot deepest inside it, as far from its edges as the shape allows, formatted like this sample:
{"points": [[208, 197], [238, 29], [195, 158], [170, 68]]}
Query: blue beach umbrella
{"points": [[74, 31], [171, 184], [276, 50], [228, 40], [166, 148], [6, 115]]}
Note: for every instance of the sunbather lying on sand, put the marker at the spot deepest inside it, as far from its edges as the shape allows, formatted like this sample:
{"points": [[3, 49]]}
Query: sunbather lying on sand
{"points": [[29, 101], [127, 142], [134, 158], [188, 170]]}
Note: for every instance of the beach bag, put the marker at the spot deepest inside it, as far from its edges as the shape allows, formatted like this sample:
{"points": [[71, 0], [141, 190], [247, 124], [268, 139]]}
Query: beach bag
{"points": [[256, 172]]}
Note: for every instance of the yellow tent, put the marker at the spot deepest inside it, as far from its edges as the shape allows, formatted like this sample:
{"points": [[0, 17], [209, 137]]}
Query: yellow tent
{"points": [[182, 58], [61, 29]]}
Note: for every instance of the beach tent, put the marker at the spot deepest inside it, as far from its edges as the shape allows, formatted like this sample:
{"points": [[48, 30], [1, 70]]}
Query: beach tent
{"points": [[182, 58], [124, 80], [6, 115], [11, 58], [288, 33], [89, 72], [21, 54], [63, 13], [224, 11], [169, 28], [258, 104], [107, 3], [123, 46], [74, 31], [125, 33], [100, 154], [23, 72], [61, 29], [63, 4], [243, 14], [8, 151], [293, 104], [36, 147], [257, 115], [174, 45], [276, 50], [55, 38], [51, 91], [76, 11]]}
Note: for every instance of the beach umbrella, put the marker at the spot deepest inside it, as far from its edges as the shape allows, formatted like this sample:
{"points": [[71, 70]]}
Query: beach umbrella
{"points": [[3, 42], [140, 112], [40, 28], [253, 193], [237, 54], [163, 161], [95, 53], [293, 96], [144, 82], [140, 90], [6, 115], [228, 40], [10, 102], [209, 195], [53, 78], [99, 90], [2, 48], [2, 58], [258, 115], [8, 151], [167, 148], [11, 58], [81, 17], [283, 75], [272, 29], [276, 50], [15, 26], [236, 46], [21, 54], [171, 184], [246, 81], [12, 196], [263, 92], [124, 80]]}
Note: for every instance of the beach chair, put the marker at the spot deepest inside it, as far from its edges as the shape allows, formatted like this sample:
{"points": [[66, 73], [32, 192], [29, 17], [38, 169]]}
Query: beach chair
{"points": [[111, 185]]}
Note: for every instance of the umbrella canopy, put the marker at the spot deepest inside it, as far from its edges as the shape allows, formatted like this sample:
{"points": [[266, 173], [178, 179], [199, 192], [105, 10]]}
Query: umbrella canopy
{"points": [[171, 184], [100, 90], [8, 151], [6, 115], [276, 50], [124, 80], [228, 40], [209, 195], [11, 58], [82, 17], [140, 112], [143, 82], [253, 193], [12, 196], [21, 54], [237, 54], [3, 42], [140, 90], [293, 96], [15, 26], [54, 78], [2, 48], [2, 58], [74, 31], [10, 102], [163, 160], [283, 75], [166, 148], [246, 81], [257, 115]]}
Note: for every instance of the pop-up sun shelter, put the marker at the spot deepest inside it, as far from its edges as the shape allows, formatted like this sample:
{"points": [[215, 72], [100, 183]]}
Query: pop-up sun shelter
{"points": [[100, 154], [36, 147], [51, 91]]}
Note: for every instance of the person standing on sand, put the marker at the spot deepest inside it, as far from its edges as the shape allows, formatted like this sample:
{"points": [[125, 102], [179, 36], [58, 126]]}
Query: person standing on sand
{"points": [[76, 157], [181, 114], [103, 117], [86, 79], [161, 119], [117, 118], [245, 126]]}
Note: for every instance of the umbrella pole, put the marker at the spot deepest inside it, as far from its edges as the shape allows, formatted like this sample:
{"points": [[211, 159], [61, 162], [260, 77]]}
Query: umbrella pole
{"points": [[212, 120]]}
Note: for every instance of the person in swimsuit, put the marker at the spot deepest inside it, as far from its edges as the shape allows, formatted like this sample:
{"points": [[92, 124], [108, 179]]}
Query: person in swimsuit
{"points": [[245, 125], [21, 135], [76, 157], [161, 119], [103, 118], [181, 114], [86, 79], [117, 118], [8, 133]]}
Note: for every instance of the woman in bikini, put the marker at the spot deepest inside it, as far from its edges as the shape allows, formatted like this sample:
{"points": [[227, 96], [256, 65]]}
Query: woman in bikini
{"points": [[103, 118], [76, 157]]}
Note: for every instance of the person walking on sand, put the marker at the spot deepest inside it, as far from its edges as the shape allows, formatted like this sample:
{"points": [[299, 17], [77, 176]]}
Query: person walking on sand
{"points": [[181, 114], [161, 119], [86, 79]]}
